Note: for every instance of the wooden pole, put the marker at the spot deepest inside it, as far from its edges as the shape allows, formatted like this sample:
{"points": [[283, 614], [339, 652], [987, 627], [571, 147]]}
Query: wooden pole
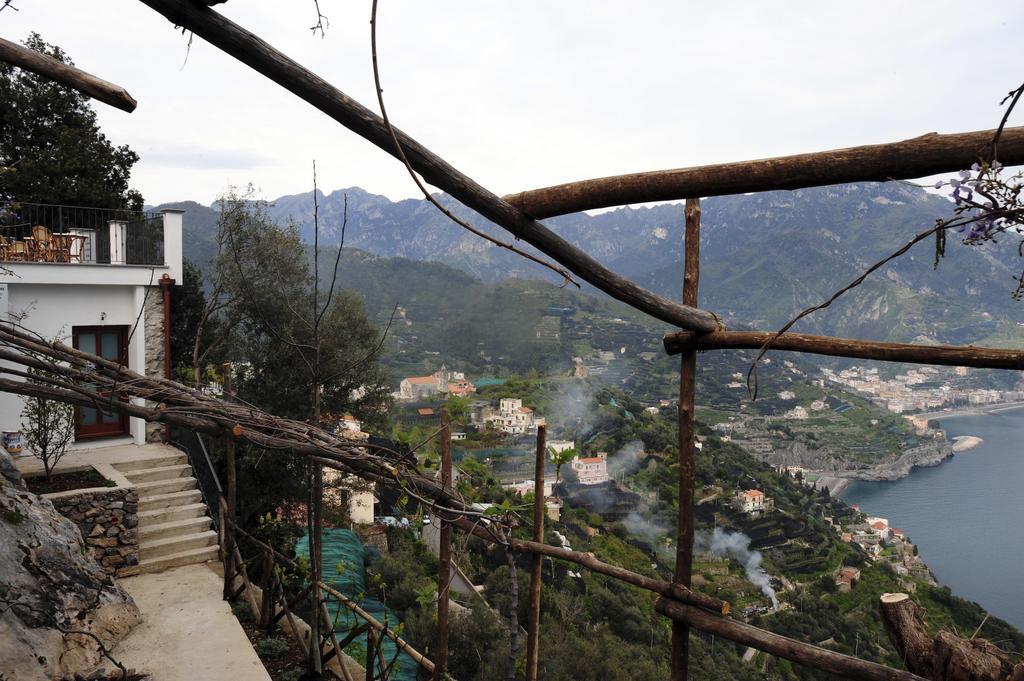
{"points": [[316, 533], [231, 491], [254, 52], [65, 74], [371, 653], [780, 646], [687, 389], [945, 355], [918, 157], [445, 554], [533, 635]]}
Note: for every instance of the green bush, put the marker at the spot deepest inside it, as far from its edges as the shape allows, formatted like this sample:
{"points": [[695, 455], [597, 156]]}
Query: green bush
{"points": [[242, 611], [271, 647]]}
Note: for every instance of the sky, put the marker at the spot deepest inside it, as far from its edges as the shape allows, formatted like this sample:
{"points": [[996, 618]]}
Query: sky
{"points": [[526, 94]]}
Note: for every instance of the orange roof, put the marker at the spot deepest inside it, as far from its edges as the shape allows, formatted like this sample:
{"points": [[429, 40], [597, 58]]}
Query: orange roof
{"points": [[526, 410], [755, 493], [426, 411], [896, 531], [878, 525], [422, 380], [592, 459]]}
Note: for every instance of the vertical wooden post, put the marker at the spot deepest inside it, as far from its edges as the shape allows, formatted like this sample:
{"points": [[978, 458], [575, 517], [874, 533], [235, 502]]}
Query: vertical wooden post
{"points": [[371, 653], [231, 491], [687, 387], [445, 554], [269, 593], [533, 638], [315, 518]]}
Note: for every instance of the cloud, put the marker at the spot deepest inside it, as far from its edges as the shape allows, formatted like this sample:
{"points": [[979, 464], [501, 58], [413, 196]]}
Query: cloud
{"points": [[520, 95]]}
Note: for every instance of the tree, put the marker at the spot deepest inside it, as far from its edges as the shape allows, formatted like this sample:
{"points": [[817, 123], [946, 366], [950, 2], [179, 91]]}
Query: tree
{"points": [[49, 425], [188, 303], [560, 459], [51, 147]]}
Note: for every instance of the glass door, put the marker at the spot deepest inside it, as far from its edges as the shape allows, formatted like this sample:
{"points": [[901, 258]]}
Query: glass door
{"points": [[109, 342]]}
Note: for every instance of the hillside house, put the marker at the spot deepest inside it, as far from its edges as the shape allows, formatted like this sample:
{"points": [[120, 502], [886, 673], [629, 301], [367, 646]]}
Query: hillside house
{"points": [[441, 381], [754, 501], [98, 280], [591, 470], [418, 387], [847, 578], [513, 418], [461, 388]]}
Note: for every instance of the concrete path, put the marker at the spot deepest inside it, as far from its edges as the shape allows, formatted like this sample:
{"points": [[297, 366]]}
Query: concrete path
{"points": [[188, 633]]}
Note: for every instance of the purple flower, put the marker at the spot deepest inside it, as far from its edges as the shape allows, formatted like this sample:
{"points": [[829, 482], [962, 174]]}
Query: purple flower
{"points": [[89, 368]]}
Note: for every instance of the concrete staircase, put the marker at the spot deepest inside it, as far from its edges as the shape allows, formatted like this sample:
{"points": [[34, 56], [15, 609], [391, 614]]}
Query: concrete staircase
{"points": [[174, 526]]}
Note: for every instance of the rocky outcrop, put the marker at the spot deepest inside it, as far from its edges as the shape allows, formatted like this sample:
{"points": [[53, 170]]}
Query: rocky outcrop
{"points": [[50, 587], [109, 523], [917, 457]]}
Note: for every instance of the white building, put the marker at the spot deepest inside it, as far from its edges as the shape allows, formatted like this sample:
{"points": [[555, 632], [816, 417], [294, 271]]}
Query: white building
{"points": [[513, 418], [754, 501], [106, 294], [592, 470], [558, 446]]}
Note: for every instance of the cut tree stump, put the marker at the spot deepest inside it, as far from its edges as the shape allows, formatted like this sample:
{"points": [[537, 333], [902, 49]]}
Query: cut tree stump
{"points": [[946, 656]]}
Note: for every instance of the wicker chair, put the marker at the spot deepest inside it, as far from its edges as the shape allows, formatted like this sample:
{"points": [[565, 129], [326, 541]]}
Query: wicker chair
{"points": [[45, 249], [18, 251], [62, 247]]}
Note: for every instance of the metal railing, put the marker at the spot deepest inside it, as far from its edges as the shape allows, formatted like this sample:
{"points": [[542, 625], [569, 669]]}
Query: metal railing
{"points": [[205, 474], [140, 242]]}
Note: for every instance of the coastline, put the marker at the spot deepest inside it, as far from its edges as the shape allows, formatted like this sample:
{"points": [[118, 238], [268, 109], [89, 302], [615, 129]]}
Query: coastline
{"points": [[985, 410], [837, 481]]}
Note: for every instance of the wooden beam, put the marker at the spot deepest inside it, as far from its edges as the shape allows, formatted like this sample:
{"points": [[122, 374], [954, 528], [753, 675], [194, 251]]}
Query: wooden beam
{"points": [[65, 74], [780, 646], [278, 67], [687, 394], [918, 157], [944, 355]]}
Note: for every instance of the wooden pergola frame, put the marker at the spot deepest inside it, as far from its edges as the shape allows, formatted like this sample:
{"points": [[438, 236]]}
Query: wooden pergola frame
{"points": [[700, 329]]}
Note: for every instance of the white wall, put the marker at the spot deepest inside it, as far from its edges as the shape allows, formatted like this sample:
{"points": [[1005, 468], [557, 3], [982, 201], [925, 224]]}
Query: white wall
{"points": [[51, 310]]}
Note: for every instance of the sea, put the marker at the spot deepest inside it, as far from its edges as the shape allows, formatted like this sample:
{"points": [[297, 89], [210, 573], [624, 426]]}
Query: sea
{"points": [[966, 515]]}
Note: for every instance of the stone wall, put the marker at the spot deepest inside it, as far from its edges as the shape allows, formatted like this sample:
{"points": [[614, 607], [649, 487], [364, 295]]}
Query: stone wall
{"points": [[154, 330], [109, 523]]}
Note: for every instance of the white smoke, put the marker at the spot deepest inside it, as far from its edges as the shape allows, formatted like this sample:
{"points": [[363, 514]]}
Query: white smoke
{"points": [[626, 460], [736, 545], [572, 410]]}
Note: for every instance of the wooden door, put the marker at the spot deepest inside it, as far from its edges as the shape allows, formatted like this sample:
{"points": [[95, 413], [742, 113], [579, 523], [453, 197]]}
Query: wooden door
{"points": [[109, 342]]}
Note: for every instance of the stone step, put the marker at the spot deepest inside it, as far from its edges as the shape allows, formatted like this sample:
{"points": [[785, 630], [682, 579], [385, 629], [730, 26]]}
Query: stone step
{"points": [[170, 514], [171, 545], [190, 557], [173, 528], [152, 462], [148, 489], [182, 470], [156, 501]]}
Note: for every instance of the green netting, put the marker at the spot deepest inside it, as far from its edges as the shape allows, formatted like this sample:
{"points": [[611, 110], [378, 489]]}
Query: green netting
{"points": [[458, 454], [344, 569]]}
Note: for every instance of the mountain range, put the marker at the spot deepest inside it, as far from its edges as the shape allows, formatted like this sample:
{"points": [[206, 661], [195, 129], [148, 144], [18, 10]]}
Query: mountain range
{"points": [[764, 257]]}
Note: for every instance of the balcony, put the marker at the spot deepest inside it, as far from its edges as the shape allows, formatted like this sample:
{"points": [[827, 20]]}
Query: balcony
{"points": [[38, 241]]}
